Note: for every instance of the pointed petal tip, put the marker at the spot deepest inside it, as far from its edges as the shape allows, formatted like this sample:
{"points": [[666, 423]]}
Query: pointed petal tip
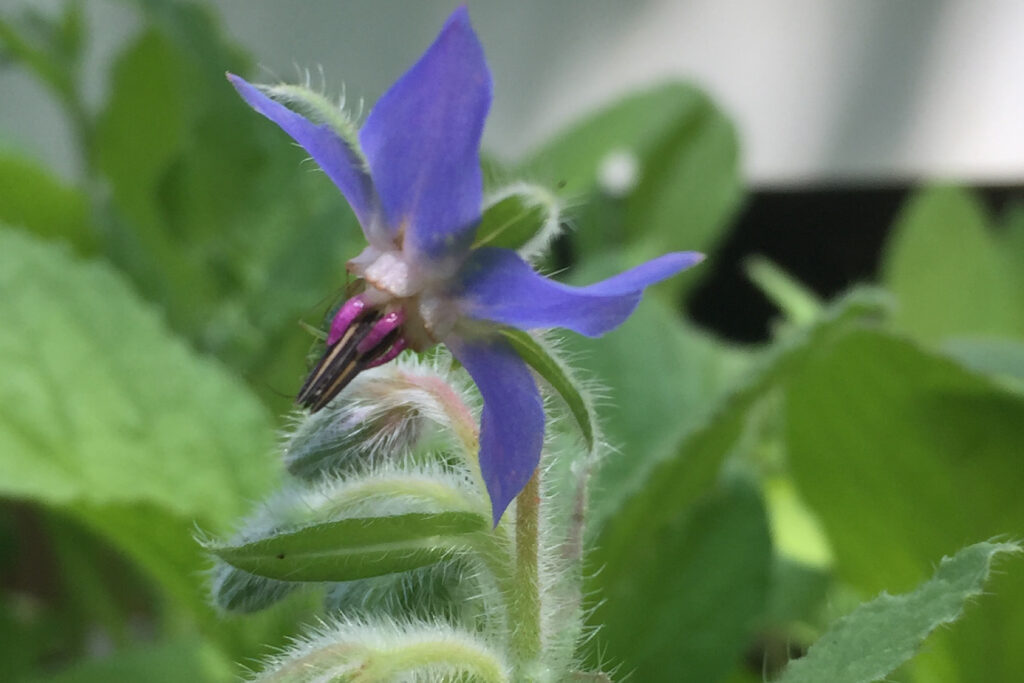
{"points": [[497, 510], [512, 419], [685, 259], [460, 15]]}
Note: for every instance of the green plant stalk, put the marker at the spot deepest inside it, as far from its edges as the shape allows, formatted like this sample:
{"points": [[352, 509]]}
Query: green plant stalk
{"points": [[525, 608]]}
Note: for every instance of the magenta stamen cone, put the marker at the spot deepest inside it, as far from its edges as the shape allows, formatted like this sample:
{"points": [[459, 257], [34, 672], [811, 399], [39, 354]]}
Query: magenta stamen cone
{"points": [[345, 316], [391, 353], [383, 327]]}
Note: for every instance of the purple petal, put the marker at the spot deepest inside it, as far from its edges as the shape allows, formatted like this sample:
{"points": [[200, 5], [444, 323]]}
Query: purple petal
{"points": [[422, 141], [498, 285], [339, 161], [512, 423]]}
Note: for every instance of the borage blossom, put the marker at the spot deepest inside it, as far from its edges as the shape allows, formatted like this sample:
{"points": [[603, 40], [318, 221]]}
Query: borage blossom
{"points": [[412, 176]]}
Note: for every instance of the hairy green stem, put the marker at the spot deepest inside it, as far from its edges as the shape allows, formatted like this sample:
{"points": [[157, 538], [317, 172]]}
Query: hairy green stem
{"points": [[526, 634]]}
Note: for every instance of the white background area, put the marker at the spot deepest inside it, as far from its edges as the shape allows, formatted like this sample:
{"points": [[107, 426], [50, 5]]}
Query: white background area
{"points": [[821, 91]]}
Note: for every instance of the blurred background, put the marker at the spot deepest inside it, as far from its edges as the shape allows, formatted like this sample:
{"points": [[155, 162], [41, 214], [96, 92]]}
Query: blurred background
{"points": [[854, 170], [822, 92]]}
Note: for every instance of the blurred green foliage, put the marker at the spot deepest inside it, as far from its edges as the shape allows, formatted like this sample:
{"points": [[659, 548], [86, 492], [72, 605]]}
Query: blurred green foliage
{"points": [[151, 335]]}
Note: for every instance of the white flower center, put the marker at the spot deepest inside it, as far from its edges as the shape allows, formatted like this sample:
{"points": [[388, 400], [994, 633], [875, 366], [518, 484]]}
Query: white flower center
{"points": [[391, 280]]}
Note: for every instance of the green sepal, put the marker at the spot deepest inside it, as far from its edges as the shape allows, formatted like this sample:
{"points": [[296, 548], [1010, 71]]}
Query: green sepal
{"points": [[355, 548], [555, 374], [319, 109], [239, 592], [518, 217]]}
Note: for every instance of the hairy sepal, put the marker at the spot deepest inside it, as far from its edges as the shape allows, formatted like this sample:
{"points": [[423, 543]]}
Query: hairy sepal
{"points": [[356, 548], [317, 108], [543, 360], [522, 217]]}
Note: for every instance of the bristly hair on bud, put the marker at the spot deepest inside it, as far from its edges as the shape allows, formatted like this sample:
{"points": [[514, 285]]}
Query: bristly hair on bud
{"points": [[388, 412], [388, 650]]}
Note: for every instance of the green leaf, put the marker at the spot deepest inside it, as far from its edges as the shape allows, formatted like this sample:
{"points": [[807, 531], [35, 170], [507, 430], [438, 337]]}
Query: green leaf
{"points": [[687, 171], [669, 413], [649, 515], [520, 217], [660, 376], [184, 659], [879, 636], [139, 135], [948, 272], [1011, 240], [214, 217], [162, 545], [47, 48], [32, 199], [355, 548], [687, 603], [902, 454], [101, 406], [798, 303], [999, 357], [554, 373]]}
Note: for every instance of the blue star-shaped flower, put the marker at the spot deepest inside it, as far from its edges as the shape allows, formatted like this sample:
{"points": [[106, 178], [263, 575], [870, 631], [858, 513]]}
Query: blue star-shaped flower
{"points": [[413, 180]]}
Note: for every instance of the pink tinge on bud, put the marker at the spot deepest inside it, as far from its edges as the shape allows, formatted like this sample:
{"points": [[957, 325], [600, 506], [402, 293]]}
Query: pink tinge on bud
{"points": [[345, 316], [391, 353], [382, 328]]}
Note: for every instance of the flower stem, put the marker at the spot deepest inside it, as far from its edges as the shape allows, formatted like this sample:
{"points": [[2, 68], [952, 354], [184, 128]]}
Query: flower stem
{"points": [[526, 638]]}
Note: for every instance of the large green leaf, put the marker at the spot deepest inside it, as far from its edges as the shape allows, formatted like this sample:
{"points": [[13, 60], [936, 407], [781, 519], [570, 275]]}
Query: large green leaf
{"points": [[880, 635], [118, 425], [102, 406], [687, 171], [184, 659], [32, 199], [142, 130], [657, 378], [653, 513], [48, 45], [355, 548], [688, 604], [999, 357], [661, 379], [904, 454], [214, 217], [1012, 240], [945, 266], [674, 413]]}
